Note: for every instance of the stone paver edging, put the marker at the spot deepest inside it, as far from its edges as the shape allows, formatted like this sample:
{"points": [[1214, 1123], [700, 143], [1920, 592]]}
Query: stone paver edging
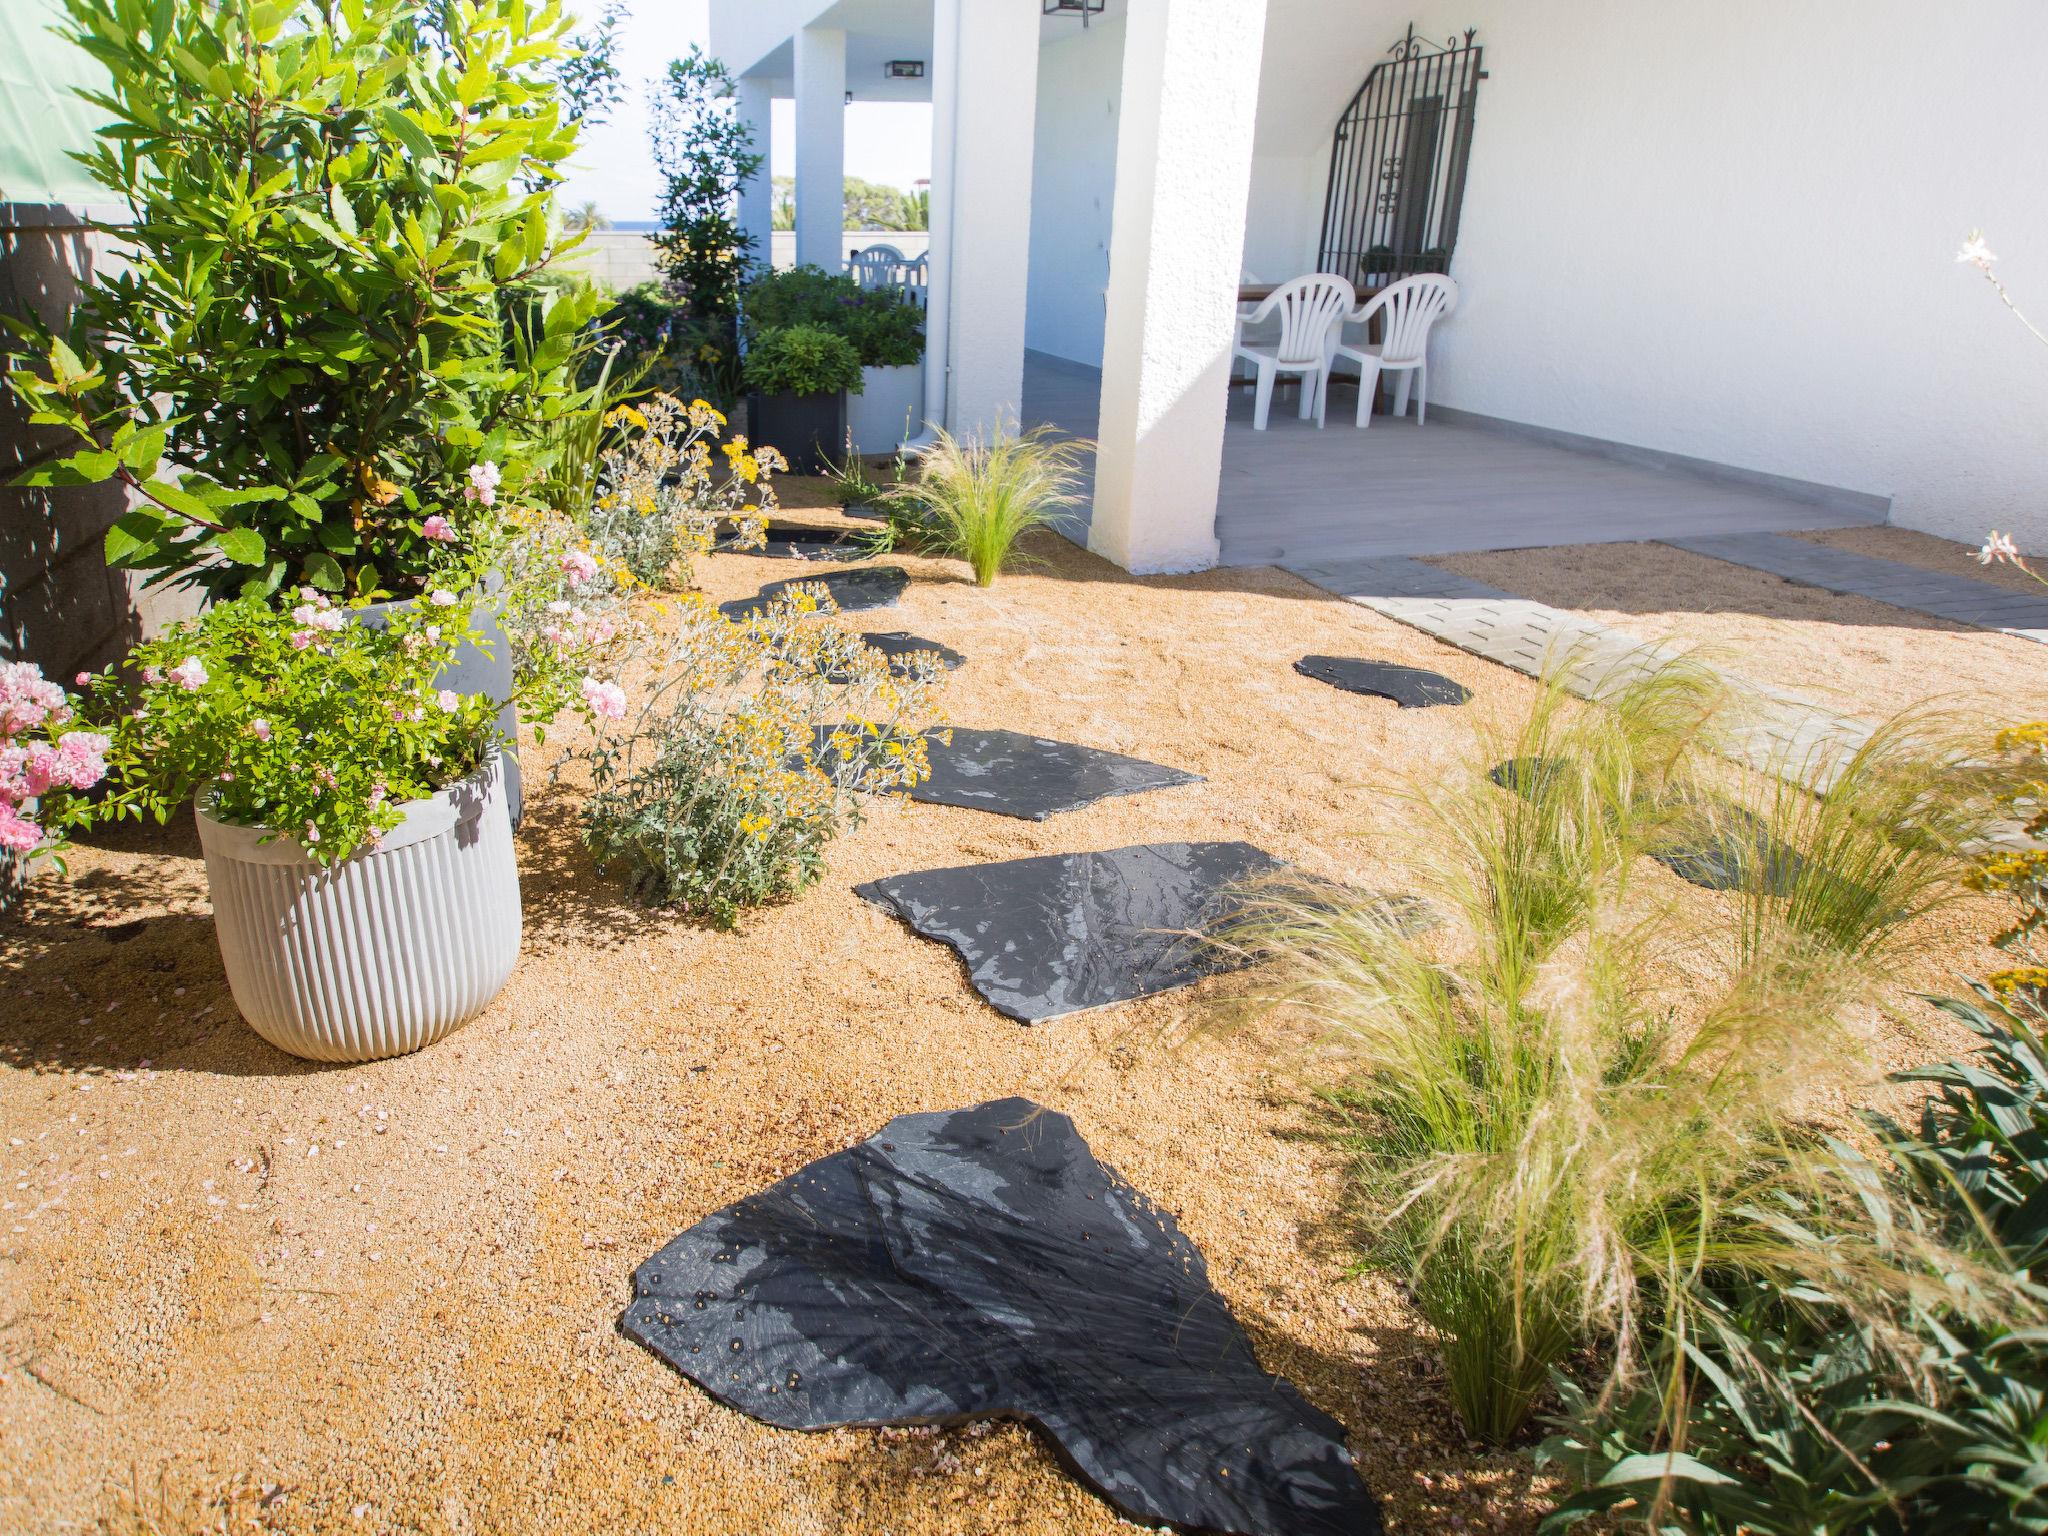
{"points": [[1938, 594], [1782, 732]]}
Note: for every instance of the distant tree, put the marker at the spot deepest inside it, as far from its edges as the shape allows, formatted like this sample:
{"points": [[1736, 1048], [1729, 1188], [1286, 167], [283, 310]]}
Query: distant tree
{"points": [[871, 205], [782, 203], [705, 151], [589, 73], [585, 216]]}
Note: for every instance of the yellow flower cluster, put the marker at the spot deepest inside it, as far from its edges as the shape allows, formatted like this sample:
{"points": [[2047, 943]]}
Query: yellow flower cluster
{"points": [[660, 500]]}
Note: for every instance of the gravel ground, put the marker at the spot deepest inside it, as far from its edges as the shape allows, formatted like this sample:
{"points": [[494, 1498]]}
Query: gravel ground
{"points": [[388, 1290]]}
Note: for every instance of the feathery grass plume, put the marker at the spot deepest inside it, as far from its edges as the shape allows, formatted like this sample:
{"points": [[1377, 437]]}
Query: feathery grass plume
{"points": [[1579, 1097], [974, 498]]}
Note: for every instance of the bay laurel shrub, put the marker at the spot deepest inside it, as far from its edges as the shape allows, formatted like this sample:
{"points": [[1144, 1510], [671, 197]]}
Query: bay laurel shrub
{"points": [[306, 356], [750, 751], [1581, 1099], [663, 496]]}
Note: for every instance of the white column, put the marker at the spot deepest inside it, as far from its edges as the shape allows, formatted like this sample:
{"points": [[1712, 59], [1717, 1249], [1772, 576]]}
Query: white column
{"points": [[755, 100], [820, 147], [995, 96], [1183, 169], [938, 313]]}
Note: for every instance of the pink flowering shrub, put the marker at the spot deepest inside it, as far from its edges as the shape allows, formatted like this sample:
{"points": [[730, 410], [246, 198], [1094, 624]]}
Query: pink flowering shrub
{"points": [[44, 767], [296, 718]]}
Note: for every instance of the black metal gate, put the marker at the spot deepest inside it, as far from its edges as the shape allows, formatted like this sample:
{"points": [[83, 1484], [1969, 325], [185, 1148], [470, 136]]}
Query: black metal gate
{"points": [[1397, 166]]}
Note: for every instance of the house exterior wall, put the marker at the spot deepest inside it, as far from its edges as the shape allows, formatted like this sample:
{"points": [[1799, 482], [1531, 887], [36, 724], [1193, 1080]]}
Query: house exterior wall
{"points": [[1726, 231], [1073, 189]]}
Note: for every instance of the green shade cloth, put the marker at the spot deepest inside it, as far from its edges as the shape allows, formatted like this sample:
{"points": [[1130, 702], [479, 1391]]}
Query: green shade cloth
{"points": [[41, 117]]}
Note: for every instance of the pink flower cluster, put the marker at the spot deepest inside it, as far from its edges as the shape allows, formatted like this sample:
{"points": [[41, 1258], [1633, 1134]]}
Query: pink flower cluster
{"points": [[579, 566], [483, 483], [315, 616], [606, 700], [438, 530], [30, 769], [565, 626]]}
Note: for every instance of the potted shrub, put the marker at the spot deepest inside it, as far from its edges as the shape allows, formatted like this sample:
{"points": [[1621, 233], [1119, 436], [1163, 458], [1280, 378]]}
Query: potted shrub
{"points": [[798, 378], [887, 332], [352, 811]]}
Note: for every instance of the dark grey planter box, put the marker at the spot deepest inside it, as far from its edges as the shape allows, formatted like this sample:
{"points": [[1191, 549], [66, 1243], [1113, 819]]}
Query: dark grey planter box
{"points": [[810, 430]]}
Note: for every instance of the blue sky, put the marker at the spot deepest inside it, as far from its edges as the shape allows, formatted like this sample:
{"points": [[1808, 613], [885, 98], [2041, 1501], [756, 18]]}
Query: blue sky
{"points": [[885, 141]]}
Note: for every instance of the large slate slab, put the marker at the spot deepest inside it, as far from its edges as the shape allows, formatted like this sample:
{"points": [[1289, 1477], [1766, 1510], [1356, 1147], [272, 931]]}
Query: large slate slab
{"points": [[872, 586], [981, 1263], [796, 541], [1409, 687], [1031, 777], [1048, 936], [1730, 848], [897, 644]]}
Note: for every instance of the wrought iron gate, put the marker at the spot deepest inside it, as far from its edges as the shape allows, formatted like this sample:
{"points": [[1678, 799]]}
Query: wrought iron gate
{"points": [[1397, 166]]}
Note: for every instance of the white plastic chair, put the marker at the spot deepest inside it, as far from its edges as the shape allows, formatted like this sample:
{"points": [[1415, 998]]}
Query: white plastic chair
{"points": [[876, 266], [1309, 310], [1408, 309]]}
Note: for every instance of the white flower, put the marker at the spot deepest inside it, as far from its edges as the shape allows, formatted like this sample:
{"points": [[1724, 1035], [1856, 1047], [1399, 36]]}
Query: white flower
{"points": [[449, 700], [1998, 547], [442, 598], [189, 674], [1976, 252]]}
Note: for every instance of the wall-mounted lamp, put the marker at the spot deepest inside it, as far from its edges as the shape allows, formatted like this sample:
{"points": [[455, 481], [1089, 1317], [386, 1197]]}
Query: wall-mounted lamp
{"points": [[1081, 8], [849, 98], [904, 69]]}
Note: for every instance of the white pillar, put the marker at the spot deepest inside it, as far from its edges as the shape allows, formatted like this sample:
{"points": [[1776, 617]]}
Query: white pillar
{"points": [[755, 100], [938, 336], [820, 147], [1183, 169], [995, 105]]}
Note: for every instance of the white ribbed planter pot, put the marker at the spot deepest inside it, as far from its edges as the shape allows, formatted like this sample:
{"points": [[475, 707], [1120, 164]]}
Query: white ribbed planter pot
{"points": [[385, 952], [888, 410]]}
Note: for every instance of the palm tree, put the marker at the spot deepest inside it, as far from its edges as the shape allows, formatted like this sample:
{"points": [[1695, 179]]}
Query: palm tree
{"points": [[586, 216]]}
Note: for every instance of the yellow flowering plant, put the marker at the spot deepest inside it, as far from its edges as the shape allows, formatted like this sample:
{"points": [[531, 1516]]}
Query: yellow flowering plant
{"points": [[749, 752], [663, 496]]}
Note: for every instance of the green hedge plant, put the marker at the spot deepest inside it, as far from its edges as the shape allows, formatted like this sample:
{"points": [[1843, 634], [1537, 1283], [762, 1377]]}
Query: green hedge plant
{"points": [[803, 360], [306, 355], [886, 329]]}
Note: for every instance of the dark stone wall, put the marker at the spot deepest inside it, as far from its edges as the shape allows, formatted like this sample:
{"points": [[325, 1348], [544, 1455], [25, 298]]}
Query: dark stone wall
{"points": [[59, 604]]}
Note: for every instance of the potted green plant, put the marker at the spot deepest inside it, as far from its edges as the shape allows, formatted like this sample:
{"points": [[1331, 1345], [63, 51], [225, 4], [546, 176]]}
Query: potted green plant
{"points": [[351, 807], [798, 378], [886, 329]]}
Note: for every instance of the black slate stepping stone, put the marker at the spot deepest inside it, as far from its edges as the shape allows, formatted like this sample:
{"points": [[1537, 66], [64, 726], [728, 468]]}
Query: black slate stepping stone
{"points": [[980, 1263], [1733, 842], [896, 644], [1031, 777], [795, 541], [872, 586], [1048, 936], [1409, 687], [862, 510]]}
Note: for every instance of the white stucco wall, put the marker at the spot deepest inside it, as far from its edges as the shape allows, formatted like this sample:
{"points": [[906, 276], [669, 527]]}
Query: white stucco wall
{"points": [[1727, 231], [1073, 189]]}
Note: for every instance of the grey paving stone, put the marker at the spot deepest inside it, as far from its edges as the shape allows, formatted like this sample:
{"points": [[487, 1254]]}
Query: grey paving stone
{"points": [[981, 1263], [1053, 935], [1030, 777]]}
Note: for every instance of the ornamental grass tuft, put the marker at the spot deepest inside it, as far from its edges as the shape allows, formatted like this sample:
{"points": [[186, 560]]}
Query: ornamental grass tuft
{"points": [[1584, 1091], [974, 499]]}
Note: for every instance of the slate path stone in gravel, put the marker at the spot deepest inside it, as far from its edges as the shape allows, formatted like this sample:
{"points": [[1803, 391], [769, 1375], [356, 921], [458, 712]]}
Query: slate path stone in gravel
{"points": [[798, 541], [1728, 841], [980, 1263], [1052, 935], [872, 586], [1031, 777], [1409, 687], [896, 644]]}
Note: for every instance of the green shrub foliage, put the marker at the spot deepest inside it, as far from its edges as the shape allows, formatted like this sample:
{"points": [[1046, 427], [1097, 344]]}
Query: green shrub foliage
{"points": [[803, 360], [886, 329], [327, 196]]}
